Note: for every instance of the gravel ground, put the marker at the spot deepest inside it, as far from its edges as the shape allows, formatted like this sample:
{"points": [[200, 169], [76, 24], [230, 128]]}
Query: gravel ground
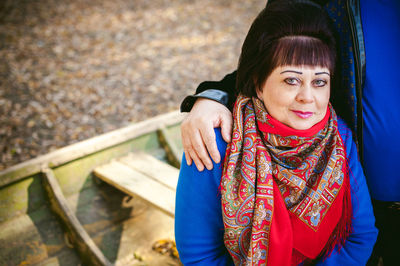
{"points": [[70, 70]]}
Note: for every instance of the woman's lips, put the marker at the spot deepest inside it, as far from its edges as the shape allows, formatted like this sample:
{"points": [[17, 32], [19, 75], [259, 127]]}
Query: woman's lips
{"points": [[303, 115]]}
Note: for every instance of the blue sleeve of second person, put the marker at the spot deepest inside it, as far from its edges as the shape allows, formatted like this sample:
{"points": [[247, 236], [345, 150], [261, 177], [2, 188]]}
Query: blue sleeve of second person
{"points": [[199, 227]]}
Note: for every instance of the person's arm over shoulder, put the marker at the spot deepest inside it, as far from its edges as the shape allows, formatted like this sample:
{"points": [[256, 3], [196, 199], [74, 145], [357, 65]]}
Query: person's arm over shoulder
{"points": [[221, 91], [358, 247], [199, 227]]}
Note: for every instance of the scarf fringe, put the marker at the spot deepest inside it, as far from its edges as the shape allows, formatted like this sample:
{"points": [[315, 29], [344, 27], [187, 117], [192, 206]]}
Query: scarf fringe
{"points": [[344, 227]]}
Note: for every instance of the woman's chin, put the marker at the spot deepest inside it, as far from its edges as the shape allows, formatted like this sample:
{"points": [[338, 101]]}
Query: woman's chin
{"points": [[302, 125], [299, 123]]}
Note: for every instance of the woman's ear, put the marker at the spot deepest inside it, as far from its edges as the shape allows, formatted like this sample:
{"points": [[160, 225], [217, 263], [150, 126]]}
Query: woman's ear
{"points": [[258, 89], [259, 94]]}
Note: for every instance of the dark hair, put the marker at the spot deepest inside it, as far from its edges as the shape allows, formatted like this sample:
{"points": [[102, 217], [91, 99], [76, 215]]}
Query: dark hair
{"points": [[285, 33]]}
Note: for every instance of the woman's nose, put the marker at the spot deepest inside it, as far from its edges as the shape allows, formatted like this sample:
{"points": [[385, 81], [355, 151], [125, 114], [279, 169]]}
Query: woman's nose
{"points": [[305, 95]]}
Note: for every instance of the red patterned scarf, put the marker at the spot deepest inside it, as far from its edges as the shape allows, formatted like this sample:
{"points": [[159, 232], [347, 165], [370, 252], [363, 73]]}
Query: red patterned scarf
{"points": [[285, 192]]}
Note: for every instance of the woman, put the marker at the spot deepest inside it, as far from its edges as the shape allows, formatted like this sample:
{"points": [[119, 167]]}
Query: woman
{"points": [[291, 190]]}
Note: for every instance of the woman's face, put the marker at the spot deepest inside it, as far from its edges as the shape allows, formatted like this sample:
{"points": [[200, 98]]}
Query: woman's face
{"points": [[297, 96]]}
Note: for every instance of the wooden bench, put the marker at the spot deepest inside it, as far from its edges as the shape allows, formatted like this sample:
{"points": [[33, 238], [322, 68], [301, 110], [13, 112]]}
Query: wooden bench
{"points": [[142, 175]]}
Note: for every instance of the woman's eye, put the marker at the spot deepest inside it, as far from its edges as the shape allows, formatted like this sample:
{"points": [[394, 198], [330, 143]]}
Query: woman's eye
{"points": [[291, 81], [319, 83]]}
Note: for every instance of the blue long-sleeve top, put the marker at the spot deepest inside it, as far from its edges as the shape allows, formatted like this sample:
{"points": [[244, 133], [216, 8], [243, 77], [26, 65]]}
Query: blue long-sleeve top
{"points": [[199, 227]]}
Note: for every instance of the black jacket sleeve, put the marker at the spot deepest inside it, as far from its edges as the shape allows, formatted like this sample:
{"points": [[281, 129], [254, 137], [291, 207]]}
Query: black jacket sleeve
{"points": [[222, 91]]}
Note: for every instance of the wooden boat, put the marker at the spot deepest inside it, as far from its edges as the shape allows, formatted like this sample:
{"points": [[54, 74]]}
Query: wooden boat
{"points": [[56, 209]]}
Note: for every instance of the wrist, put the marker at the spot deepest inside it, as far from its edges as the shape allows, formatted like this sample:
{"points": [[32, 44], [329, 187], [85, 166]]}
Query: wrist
{"points": [[211, 94]]}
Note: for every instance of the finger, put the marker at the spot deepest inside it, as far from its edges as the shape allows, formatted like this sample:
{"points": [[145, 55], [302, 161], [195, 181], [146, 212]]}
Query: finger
{"points": [[188, 158], [226, 127], [185, 136], [186, 148], [197, 161], [200, 150], [187, 132], [208, 136]]}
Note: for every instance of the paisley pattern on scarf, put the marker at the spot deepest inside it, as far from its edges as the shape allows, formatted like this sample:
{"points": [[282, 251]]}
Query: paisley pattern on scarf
{"points": [[308, 170]]}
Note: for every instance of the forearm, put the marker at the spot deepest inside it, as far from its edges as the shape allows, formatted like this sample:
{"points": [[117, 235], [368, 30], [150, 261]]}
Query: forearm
{"points": [[222, 91]]}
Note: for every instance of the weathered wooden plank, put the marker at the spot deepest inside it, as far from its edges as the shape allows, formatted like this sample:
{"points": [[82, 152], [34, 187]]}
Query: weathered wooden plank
{"points": [[174, 132], [32, 239], [140, 233], [22, 197], [85, 246], [135, 183], [121, 226], [153, 168], [49, 262], [76, 176], [173, 154], [81, 149]]}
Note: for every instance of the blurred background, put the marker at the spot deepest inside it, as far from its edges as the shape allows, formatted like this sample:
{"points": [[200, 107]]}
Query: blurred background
{"points": [[70, 70]]}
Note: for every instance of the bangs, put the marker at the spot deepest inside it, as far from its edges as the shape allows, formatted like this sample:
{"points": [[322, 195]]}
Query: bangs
{"points": [[303, 51]]}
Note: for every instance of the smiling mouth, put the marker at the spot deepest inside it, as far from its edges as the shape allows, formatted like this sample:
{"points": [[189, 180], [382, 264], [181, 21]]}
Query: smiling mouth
{"points": [[303, 115]]}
